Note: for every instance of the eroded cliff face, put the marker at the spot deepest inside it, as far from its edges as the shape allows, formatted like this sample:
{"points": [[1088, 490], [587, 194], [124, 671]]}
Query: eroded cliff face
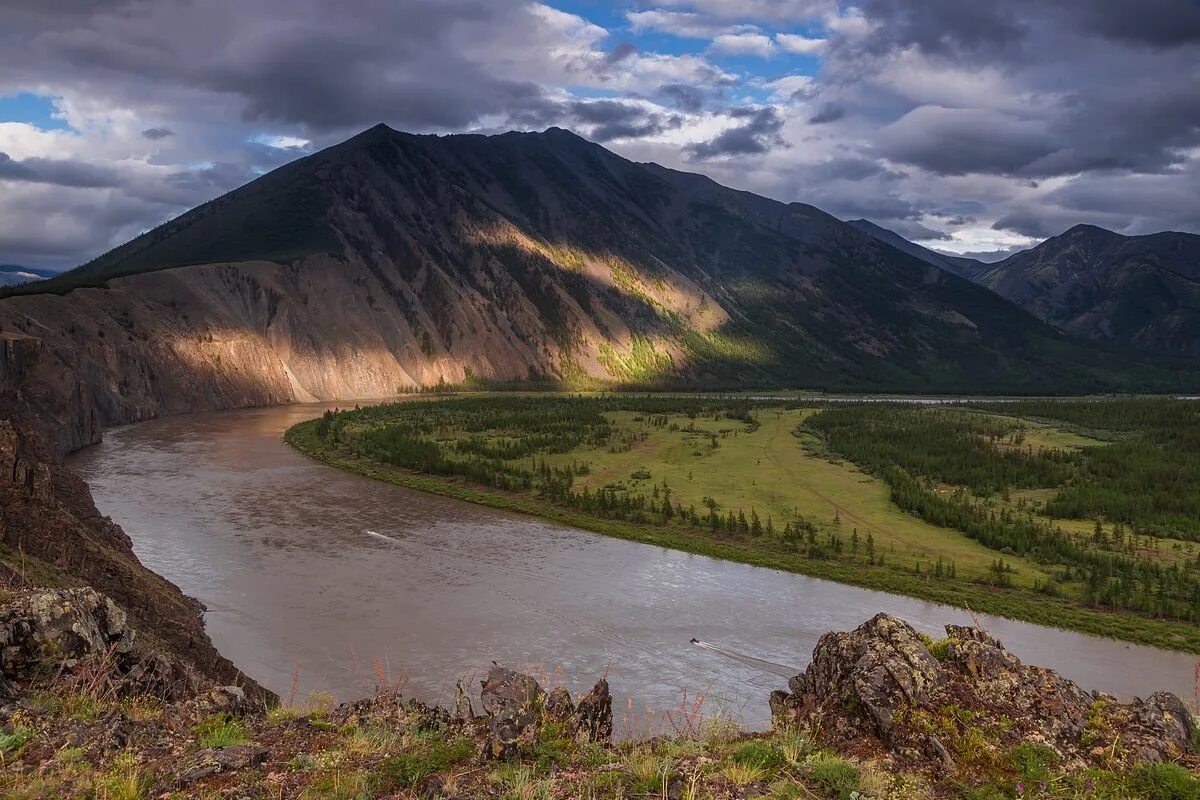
{"points": [[260, 333], [52, 533]]}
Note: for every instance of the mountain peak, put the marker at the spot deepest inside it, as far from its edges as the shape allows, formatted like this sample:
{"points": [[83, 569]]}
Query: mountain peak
{"points": [[1084, 229]]}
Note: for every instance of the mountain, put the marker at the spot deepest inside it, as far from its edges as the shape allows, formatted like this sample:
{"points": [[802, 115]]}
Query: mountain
{"points": [[1137, 291], [968, 268], [393, 261], [11, 274]]}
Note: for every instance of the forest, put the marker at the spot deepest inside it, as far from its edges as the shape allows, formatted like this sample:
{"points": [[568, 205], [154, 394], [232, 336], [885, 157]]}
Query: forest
{"points": [[1024, 505]]}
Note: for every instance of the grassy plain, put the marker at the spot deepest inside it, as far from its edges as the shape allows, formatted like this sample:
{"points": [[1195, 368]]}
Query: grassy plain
{"points": [[768, 464], [778, 471]]}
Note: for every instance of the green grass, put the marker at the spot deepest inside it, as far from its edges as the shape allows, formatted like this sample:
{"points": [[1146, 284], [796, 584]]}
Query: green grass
{"points": [[1013, 603], [770, 470], [221, 730]]}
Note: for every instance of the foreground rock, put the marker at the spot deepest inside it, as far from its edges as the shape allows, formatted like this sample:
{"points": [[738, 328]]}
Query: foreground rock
{"points": [[883, 688], [516, 708]]}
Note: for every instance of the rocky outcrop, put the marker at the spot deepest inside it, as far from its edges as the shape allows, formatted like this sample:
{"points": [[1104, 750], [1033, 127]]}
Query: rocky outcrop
{"points": [[880, 686], [516, 707], [79, 638], [513, 704], [592, 720], [881, 667]]}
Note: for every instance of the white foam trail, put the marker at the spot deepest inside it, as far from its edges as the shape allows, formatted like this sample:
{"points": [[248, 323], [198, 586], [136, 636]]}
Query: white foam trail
{"points": [[378, 535], [750, 661]]}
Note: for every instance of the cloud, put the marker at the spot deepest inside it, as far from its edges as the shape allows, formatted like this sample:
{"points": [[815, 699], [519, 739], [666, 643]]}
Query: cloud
{"points": [[59, 172], [744, 44], [686, 24], [990, 122], [758, 134], [760, 10], [954, 141], [829, 112], [803, 45]]}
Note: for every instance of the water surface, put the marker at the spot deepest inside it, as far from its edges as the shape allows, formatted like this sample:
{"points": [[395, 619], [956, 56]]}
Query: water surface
{"points": [[337, 580]]}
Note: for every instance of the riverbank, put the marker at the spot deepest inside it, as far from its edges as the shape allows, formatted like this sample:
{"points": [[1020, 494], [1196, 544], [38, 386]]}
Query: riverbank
{"points": [[1010, 603]]}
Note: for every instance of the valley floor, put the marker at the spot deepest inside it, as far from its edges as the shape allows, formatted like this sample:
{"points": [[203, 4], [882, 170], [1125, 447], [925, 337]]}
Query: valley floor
{"points": [[660, 470]]}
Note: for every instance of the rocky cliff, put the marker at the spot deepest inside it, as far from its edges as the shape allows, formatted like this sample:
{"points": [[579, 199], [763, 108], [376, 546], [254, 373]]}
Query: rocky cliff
{"points": [[51, 532]]}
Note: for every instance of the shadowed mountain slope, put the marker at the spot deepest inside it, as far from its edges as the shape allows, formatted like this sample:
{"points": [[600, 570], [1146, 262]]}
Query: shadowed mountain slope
{"points": [[1137, 292], [969, 268], [1140, 291], [393, 261]]}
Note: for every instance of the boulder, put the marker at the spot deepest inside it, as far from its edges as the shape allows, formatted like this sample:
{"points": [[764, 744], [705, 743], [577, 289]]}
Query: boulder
{"points": [[1001, 681], [559, 706], [1164, 728], [513, 703], [868, 673], [53, 629], [878, 688], [224, 759], [592, 720], [463, 710]]}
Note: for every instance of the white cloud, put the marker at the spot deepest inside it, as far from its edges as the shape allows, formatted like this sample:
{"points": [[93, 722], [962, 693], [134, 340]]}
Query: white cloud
{"points": [[283, 142], [744, 44], [766, 10], [803, 45], [685, 24]]}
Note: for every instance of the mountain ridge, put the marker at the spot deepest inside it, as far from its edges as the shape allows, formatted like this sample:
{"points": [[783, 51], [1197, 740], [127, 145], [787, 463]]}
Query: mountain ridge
{"points": [[395, 261], [1140, 293]]}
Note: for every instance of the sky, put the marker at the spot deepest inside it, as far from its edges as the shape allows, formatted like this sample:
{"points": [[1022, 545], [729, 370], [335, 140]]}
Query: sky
{"points": [[970, 127]]}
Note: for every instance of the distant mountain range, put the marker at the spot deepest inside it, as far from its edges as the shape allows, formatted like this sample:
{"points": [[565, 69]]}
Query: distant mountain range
{"points": [[1138, 292], [393, 261], [11, 274]]}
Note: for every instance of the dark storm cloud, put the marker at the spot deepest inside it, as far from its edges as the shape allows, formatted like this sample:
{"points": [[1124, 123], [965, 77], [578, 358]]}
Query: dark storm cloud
{"points": [[682, 96], [154, 134], [943, 27], [57, 171], [847, 169], [340, 66], [955, 141], [829, 112], [606, 120], [758, 135], [1077, 86]]}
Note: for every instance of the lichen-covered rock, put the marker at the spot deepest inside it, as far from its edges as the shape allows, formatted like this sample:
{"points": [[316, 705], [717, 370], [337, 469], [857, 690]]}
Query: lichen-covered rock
{"points": [[878, 688], [513, 703], [463, 710], [559, 706], [872, 671], [52, 630], [999, 679], [1164, 726], [220, 760], [592, 720]]}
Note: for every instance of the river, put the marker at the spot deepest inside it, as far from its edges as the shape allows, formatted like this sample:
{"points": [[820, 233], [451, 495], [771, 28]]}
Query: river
{"points": [[317, 580]]}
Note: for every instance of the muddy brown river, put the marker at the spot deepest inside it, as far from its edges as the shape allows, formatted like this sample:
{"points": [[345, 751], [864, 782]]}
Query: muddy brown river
{"points": [[316, 580]]}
